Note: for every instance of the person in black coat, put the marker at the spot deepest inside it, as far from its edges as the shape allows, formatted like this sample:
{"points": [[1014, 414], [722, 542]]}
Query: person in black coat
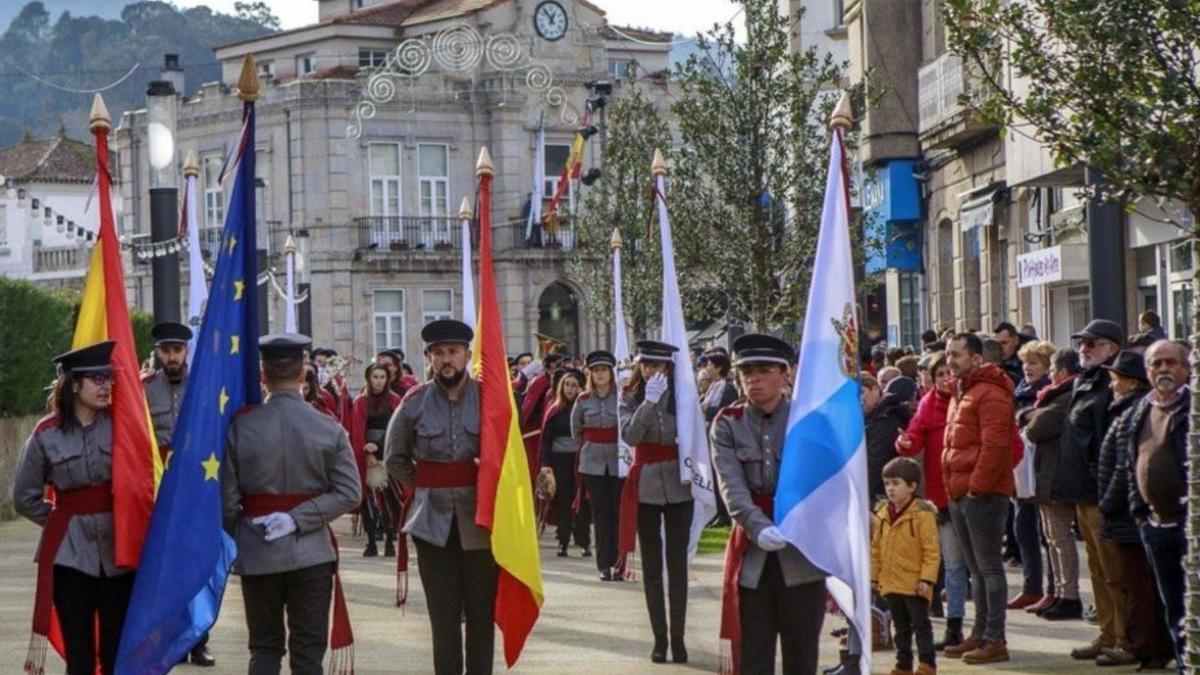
{"points": [[887, 413], [1147, 639]]}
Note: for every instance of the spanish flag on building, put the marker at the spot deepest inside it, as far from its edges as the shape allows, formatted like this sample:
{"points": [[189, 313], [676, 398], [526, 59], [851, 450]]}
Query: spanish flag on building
{"points": [[104, 315], [505, 495]]}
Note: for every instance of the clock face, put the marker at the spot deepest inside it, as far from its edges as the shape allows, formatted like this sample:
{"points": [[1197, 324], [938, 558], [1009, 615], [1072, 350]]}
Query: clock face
{"points": [[550, 20]]}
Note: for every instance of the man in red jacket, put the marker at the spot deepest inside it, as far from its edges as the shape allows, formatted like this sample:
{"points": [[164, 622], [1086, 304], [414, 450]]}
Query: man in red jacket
{"points": [[977, 465]]}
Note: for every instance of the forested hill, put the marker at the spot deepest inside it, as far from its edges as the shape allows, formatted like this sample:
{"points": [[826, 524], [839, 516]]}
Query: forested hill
{"points": [[48, 59]]}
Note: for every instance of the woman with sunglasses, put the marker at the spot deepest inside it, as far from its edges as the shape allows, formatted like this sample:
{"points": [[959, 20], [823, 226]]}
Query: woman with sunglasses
{"points": [[71, 450]]}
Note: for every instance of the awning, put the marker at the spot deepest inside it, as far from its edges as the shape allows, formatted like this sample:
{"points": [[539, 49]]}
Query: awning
{"points": [[978, 212]]}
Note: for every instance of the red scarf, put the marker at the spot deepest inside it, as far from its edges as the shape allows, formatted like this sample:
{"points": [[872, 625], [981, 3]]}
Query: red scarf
{"points": [[730, 658]]}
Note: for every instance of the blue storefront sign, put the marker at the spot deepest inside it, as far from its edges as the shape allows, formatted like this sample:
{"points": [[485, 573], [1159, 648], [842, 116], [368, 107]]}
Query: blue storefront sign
{"points": [[891, 201]]}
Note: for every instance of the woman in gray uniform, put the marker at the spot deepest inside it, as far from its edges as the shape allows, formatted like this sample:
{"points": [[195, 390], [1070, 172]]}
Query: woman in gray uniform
{"points": [[654, 498], [71, 450], [594, 427]]}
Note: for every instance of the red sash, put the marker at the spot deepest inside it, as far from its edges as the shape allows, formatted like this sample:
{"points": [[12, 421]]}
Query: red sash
{"points": [[67, 504], [600, 435], [341, 636], [731, 625], [645, 453]]}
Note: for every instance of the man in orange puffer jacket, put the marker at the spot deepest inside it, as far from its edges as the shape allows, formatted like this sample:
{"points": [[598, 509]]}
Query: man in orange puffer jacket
{"points": [[977, 464]]}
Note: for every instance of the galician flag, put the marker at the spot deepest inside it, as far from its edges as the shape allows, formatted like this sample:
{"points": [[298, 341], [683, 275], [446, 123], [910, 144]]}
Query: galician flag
{"points": [[821, 500], [695, 459], [197, 282], [505, 493]]}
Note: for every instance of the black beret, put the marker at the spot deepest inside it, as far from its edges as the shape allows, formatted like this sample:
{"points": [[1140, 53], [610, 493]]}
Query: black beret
{"points": [[652, 350], [754, 348], [446, 330], [601, 358], [324, 351], [283, 346], [1101, 329], [92, 358], [169, 332]]}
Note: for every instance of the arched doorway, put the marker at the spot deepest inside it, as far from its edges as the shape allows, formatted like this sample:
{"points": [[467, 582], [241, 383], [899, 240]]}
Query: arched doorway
{"points": [[558, 315]]}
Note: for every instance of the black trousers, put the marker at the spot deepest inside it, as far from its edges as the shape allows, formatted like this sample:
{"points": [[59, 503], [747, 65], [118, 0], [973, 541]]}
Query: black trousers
{"points": [[380, 509], [305, 595], [604, 492], [791, 615], [579, 524], [676, 521], [78, 599], [459, 583], [910, 616]]}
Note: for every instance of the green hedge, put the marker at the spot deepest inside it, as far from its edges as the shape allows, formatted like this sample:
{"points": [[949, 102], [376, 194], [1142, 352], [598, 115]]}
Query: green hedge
{"points": [[35, 325]]}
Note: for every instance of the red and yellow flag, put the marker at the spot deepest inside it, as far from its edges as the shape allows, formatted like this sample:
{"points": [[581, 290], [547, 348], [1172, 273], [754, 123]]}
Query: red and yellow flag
{"points": [[505, 499], [104, 315]]}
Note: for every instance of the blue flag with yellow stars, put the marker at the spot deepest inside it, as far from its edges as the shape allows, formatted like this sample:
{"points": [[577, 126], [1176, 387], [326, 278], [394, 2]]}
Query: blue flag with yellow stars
{"points": [[187, 554]]}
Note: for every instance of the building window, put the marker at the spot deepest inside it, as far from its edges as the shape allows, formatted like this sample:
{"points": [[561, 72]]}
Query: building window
{"points": [[1079, 307], [620, 69], [266, 68], [384, 161], [839, 13], [371, 58], [306, 64], [436, 305], [389, 320], [433, 167], [556, 159], [214, 195]]}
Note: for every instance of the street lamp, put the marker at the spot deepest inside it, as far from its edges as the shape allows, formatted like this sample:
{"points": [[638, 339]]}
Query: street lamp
{"points": [[161, 110]]}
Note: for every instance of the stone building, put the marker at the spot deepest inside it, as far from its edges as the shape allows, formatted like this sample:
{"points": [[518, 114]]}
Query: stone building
{"points": [[372, 199]]}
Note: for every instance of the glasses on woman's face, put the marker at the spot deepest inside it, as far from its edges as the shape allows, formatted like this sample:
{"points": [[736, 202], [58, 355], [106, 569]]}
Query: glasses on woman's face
{"points": [[100, 379]]}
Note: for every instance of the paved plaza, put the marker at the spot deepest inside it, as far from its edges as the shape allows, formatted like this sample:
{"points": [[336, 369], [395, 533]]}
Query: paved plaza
{"points": [[585, 626]]}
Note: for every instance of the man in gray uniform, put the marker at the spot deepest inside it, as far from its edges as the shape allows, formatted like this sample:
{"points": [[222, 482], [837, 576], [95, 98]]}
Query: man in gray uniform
{"points": [[432, 448], [164, 394], [278, 511], [771, 590]]}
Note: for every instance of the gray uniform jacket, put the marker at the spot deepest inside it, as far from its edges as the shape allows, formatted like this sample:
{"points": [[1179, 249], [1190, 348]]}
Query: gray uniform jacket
{"points": [[652, 423], [69, 461], [428, 426], [747, 449], [164, 400], [593, 412], [285, 446]]}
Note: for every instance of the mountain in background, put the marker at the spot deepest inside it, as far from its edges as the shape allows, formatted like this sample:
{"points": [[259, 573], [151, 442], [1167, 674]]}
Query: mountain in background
{"points": [[49, 62], [105, 9]]}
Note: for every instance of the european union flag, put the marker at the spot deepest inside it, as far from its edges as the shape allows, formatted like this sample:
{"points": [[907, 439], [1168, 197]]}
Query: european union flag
{"points": [[187, 555]]}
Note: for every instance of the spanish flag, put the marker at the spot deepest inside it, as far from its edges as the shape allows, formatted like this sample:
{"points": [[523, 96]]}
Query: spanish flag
{"points": [[104, 315], [505, 495]]}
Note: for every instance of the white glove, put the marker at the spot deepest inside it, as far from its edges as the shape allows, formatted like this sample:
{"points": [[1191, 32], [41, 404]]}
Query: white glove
{"points": [[655, 387], [278, 525], [532, 369], [771, 539]]}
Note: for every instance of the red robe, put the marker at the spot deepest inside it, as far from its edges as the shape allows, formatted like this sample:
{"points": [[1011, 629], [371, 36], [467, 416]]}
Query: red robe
{"points": [[358, 432], [537, 397]]}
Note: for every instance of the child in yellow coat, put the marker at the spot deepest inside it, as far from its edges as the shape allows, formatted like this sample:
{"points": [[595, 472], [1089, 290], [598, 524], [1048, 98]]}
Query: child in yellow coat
{"points": [[904, 563]]}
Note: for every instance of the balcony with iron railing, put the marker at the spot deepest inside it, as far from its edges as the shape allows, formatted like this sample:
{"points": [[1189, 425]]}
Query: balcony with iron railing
{"points": [[436, 235], [60, 260], [944, 119]]}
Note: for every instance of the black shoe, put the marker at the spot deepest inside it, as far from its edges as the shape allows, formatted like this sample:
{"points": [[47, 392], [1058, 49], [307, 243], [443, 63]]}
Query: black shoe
{"points": [[389, 550], [1064, 610], [606, 575], [1157, 663], [1047, 608], [659, 653], [371, 551], [678, 651], [953, 635], [562, 550], [201, 657], [587, 552], [848, 666]]}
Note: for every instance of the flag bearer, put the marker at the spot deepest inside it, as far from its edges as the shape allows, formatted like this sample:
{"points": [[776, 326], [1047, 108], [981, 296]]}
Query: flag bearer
{"points": [[432, 447], [771, 591], [278, 511]]}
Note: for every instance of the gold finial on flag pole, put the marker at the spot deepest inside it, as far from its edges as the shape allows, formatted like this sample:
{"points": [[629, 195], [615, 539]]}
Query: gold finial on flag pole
{"points": [[99, 118], [191, 165], [617, 242], [659, 166], [842, 116], [484, 166], [248, 82], [464, 211]]}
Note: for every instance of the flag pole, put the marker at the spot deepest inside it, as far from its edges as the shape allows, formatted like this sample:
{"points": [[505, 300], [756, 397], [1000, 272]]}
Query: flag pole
{"points": [[468, 283], [289, 320], [620, 349], [197, 282]]}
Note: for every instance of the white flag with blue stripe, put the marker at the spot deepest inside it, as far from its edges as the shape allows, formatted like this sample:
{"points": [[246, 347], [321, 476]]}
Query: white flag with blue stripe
{"points": [[821, 501]]}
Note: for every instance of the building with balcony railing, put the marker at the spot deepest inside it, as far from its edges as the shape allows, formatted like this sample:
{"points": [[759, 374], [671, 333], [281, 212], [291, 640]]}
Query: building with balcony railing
{"points": [[375, 212], [46, 189]]}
